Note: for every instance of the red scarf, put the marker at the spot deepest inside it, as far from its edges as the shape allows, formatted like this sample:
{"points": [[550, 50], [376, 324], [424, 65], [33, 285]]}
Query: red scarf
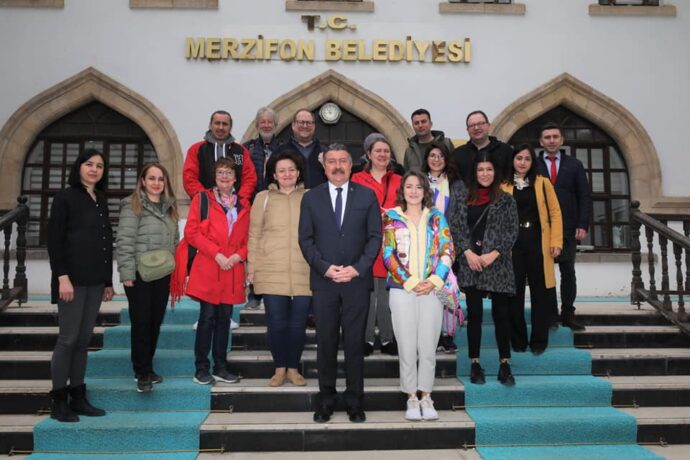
{"points": [[482, 197]]}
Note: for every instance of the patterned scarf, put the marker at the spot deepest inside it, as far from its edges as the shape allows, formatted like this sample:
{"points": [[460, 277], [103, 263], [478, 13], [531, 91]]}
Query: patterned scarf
{"points": [[229, 205]]}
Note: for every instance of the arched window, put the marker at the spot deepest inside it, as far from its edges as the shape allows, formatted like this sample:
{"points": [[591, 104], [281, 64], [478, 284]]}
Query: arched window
{"points": [[48, 163], [607, 174]]}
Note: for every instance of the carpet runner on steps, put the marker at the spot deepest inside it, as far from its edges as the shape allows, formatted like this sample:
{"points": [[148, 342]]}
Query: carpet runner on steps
{"points": [[162, 424], [556, 409]]}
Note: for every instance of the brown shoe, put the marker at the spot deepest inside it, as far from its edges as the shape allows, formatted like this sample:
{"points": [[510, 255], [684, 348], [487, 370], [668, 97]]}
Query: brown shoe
{"points": [[296, 378], [278, 378]]}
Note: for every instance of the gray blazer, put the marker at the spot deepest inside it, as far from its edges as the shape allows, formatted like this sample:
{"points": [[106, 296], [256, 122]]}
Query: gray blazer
{"points": [[500, 234]]}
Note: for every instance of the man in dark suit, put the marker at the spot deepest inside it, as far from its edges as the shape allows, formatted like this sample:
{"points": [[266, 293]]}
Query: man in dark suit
{"points": [[340, 236], [570, 181]]}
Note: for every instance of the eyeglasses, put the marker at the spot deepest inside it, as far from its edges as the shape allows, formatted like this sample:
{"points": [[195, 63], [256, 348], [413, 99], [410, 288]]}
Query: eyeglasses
{"points": [[477, 125], [224, 173], [436, 156], [304, 122]]}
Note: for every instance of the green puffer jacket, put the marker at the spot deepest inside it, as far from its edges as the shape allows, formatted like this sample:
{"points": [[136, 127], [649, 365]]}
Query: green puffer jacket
{"points": [[151, 230]]}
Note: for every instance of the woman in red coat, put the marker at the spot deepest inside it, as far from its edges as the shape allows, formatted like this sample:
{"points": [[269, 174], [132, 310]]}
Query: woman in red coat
{"points": [[217, 275], [379, 176]]}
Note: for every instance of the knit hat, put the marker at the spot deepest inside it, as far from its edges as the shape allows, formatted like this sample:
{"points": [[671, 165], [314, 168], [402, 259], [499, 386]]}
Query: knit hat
{"points": [[370, 139]]}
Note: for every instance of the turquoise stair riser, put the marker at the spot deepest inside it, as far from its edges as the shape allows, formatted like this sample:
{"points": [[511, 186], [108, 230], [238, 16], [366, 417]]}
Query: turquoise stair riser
{"points": [[538, 391], [555, 361], [562, 337], [118, 432], [585, 452], [172, 394], [579, 425]]}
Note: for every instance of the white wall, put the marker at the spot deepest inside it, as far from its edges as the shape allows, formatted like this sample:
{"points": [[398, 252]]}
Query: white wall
{"points": [[641, 62]]}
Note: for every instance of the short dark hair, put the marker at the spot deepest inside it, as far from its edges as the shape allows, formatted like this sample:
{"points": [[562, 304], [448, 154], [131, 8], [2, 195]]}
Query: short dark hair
{"points": [[336, 146], [476, 112], [450, 169], [532, 173], [74, 179], [420, 112], [220, 112], [427, 201], [549, 125], [288, 154]]}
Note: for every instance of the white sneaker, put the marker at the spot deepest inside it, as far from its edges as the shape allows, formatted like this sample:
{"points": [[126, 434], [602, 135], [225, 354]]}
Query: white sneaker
{"points": [[413, 411], [427, 407], [233, 325]]}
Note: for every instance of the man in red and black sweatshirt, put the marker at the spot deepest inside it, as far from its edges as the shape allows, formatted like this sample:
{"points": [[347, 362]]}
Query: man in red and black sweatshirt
{"points": [[197, 173]]}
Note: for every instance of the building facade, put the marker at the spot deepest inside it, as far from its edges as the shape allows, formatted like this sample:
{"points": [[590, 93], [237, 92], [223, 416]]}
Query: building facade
{"points": [[138, 79]]}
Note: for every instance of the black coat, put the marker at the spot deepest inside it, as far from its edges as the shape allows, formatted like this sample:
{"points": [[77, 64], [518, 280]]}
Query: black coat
{"points": [[313, 169], [80, 239], [572, 190], [356, 243], [501, 154]]}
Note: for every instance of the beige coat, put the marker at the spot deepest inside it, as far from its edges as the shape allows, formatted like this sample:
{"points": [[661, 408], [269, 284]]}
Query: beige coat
{"points": [[551, 224], [275, 259]]}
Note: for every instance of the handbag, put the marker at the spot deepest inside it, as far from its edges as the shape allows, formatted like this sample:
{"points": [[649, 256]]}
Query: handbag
{"points": [[156, 264], [449, 294]]}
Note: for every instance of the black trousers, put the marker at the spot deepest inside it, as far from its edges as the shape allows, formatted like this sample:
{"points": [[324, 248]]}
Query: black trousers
{"points": [[500, 304], [566, 266], [528, 264], [147, 304], [345, 306]]}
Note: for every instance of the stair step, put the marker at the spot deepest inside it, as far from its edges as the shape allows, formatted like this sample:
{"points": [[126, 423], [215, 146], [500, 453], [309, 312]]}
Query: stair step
{"points": [[254, 337], [243, 432], [254, 395], [19, 365], [43, 313]]}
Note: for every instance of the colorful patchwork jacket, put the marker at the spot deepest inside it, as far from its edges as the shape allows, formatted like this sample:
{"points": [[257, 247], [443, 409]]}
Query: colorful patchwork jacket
{"points": [[414, 253]]}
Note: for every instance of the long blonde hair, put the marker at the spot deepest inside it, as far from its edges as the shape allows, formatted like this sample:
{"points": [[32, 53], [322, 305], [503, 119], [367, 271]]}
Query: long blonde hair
{"points": [[168, 192]]}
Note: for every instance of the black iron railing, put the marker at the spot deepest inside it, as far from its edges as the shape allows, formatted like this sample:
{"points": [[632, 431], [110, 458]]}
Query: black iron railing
{"points": [[658, 235], [18, 291]]}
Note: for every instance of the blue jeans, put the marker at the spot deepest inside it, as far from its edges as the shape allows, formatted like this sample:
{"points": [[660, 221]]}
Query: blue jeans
{"points": [[285, 318], [212, 334]]}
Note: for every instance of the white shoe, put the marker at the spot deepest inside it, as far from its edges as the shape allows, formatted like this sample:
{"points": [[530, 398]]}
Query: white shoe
{"points": [[413, 411], [233, 325], [195, 325], [427, 407]]}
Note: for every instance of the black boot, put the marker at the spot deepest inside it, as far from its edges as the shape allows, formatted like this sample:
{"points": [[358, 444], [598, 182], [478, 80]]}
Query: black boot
{"points": [[505, 375], [59, 409], [81, 405], [477, 374]]}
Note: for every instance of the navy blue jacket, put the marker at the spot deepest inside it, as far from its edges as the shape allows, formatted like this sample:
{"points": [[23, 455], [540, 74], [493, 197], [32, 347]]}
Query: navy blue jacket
{"points": [[356, 243], [572, 190]]}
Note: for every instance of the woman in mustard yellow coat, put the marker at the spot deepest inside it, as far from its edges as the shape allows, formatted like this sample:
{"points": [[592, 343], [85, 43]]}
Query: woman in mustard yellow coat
{"points": [[540, 240]]}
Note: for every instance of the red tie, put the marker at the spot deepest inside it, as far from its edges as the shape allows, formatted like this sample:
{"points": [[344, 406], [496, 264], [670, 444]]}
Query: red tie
{"points": [[554, 171]]}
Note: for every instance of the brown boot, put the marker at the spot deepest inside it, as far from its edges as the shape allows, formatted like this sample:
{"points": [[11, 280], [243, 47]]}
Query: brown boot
{"points": [[296, 378], [278, 378]]}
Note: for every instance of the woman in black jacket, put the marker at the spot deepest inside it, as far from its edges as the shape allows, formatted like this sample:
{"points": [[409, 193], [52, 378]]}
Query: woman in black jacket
{"points": [[80, 247], [484, 224]]}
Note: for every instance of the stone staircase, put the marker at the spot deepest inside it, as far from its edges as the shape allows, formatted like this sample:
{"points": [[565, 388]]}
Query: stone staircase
{"points": [[646, 360]]}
